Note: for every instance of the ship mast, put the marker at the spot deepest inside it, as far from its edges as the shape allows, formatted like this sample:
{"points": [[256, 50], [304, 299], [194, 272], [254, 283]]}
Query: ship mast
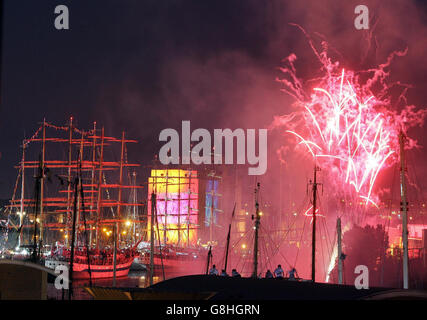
{"points": [[119, 202], [73, 235], [211, 220], [165, 225], [42, 183], [340, 269], [35, 256], [115, 228], [70, 143], [99, 191], [153, 204], [135, 208], [92, 181], [188, 207], [404, 210], [313, 240], [257, 222], [21, 216], [119, 214], [228, 239]]}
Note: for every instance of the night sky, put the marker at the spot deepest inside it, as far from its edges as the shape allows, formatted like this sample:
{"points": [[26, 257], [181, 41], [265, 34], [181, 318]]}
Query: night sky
{"points": [[142, 66]]}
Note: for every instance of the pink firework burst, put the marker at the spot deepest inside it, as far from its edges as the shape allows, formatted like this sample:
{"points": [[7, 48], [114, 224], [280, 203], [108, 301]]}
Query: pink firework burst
{"points": [[344, 126]]}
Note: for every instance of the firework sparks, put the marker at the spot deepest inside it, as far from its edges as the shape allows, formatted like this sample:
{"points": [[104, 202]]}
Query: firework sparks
{"points": [[344, 126], [307, 214], [347, 129]]}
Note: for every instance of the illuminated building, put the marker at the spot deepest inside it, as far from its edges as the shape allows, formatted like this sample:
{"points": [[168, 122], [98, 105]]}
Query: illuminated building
{"points": [[177, 206], [212, 211]]}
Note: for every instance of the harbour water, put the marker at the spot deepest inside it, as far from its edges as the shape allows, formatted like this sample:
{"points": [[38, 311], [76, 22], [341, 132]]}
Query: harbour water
{"points": [[135, 279]]}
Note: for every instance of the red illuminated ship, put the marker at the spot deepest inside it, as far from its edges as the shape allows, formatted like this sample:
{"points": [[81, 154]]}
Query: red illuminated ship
{"points": [[79, 197], [101, 262]]}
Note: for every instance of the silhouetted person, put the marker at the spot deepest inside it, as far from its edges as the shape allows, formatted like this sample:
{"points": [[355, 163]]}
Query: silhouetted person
{"points": [[235, 274], [268, 274], [213, 271], [279, 272], [292, 274]]}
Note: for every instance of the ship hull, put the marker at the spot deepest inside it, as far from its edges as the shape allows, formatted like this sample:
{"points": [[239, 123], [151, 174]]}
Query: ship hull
{"points": [[81, 270]]}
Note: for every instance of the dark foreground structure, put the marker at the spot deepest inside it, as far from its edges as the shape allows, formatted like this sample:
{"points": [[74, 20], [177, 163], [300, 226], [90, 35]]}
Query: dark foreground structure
{"points": [[202, 287]]}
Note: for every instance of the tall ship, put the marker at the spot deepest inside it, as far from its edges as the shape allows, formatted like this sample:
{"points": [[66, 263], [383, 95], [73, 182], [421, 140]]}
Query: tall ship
{"points": [[75, 201]]}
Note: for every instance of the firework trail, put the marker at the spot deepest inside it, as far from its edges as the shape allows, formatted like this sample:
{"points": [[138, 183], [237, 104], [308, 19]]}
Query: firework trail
{"points": [[343, 125]]}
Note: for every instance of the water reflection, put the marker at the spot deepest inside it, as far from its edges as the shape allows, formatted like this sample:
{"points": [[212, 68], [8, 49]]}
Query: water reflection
{"points": [[135, 279]]}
